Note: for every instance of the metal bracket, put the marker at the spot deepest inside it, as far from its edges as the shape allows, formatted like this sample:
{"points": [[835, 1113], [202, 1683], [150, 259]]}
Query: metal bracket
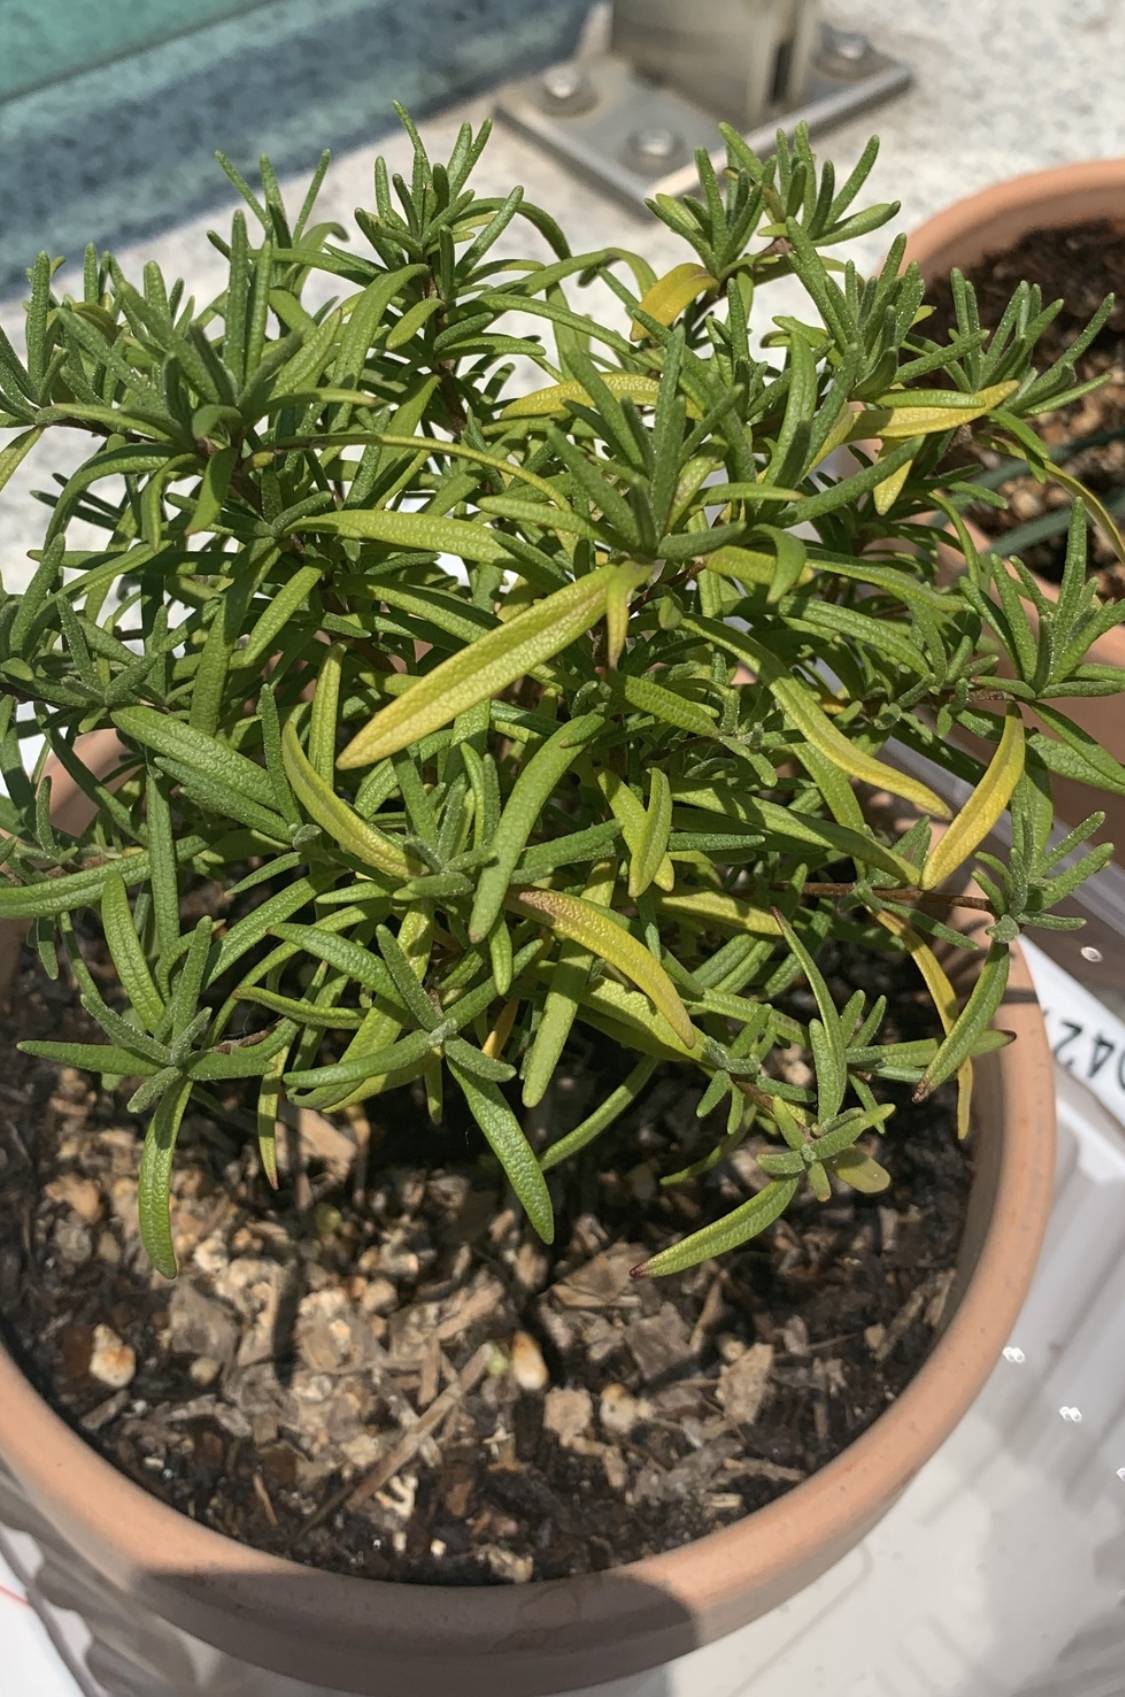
{"points": [[636, 137]]}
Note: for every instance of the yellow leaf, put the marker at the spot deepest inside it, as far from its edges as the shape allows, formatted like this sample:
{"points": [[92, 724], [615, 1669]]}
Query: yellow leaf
{"points": [[983, 807], [332, 813], [630, 815], [671, 293], [483, 668], [493, 1045], [748, 565], [860, 1171], [553, 401], [944, 999], [888, 492], [800, 706], [802, 709], [616, 620], [709, 907], [591, 927], [626, 1015], [840, 433], [918, 417]]}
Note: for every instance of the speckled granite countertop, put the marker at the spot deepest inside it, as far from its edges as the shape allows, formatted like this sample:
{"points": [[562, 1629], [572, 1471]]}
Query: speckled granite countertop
{"points": [[1001, 87]]}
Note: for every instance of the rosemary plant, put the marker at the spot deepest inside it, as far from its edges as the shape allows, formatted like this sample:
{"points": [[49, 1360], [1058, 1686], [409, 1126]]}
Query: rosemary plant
{"points": [[486, 710]]}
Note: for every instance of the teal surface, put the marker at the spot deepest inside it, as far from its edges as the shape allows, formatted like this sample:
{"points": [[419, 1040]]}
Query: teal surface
{"points": [[121, 149], [57, 38]]}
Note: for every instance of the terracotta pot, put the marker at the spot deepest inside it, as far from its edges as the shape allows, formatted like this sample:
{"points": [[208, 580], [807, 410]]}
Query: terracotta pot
{"points": [[964, 234], [367, 1637]]}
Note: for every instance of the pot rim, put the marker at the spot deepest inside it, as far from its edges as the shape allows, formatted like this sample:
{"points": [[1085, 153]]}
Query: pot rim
{"points": [[1050, 195], [186, 1569]]}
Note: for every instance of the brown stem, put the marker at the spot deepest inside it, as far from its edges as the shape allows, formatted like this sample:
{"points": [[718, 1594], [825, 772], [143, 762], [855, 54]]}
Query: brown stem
{"points": [[452, 398], [753, 1093], [941, 898]]}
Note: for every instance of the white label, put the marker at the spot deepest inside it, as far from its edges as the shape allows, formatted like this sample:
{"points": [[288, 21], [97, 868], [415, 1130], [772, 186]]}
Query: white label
{"points": [[1086, 1039]]}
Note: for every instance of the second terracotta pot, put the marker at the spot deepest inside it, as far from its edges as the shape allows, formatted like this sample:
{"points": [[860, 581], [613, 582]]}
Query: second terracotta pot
{"points": [[964, 234]]}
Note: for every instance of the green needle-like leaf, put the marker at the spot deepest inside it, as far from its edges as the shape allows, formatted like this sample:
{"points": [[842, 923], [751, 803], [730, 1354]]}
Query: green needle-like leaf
{"points": [[110, 1061], [468, 540], [128, 955], [267, 1112], [653, 837], [971, 1022], [154, 1183], [505, 1138], [536, 782], [203, 754], [826, 1035], [734, 1229]]}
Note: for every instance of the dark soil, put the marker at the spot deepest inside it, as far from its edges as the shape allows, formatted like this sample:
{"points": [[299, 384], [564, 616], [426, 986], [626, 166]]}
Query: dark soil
{"points": [[377, 1370], [1080, 266]]}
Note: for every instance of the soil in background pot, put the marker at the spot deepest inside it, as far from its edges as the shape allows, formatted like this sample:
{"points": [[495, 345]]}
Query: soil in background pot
{"points": [[1080, 265], [377, 1370]]}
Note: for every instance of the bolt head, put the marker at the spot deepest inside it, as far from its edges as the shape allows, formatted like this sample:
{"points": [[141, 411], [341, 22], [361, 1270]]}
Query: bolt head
{"points": [[563, 83], [851, 44], [843, 51], [656, 142]]}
